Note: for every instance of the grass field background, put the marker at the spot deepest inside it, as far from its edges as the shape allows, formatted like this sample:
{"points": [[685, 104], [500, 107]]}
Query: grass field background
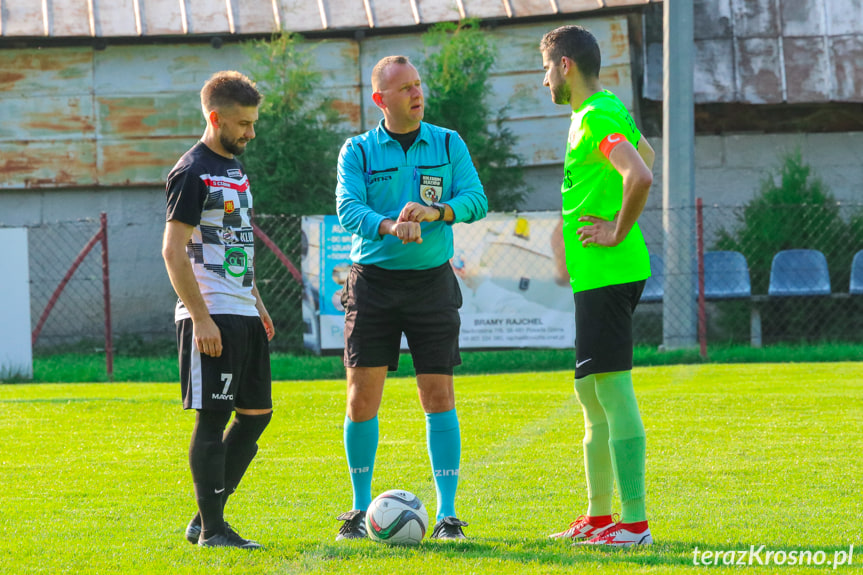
{"points": [[94, 477], [89, 367]]}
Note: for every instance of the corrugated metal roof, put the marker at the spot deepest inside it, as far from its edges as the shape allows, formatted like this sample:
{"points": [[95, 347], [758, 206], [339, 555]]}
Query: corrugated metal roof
{"points": [[769, 52], [130, 18]]}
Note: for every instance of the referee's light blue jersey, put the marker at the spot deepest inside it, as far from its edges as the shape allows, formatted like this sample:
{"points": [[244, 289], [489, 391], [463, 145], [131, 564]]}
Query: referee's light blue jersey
{"points": [[376, 178]]}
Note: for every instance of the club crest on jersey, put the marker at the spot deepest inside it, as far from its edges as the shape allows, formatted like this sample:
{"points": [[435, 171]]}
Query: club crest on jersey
{"points": [[431, 188], [235, 173], [229, 206]]}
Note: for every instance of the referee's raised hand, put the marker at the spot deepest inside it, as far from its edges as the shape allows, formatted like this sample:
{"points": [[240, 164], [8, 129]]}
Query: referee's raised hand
{"points": [[416, 212]]}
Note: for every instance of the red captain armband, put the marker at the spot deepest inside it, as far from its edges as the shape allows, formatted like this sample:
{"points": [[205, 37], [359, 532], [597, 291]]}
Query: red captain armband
{"points": [[609, 142]]}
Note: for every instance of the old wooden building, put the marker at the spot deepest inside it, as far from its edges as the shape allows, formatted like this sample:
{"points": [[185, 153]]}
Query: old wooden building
{"points": [[99, 98]]}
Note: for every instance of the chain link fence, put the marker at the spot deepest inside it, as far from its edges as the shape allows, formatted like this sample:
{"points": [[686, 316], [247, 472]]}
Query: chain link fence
{"points": [[278, 249], [800, 260], [777, 275], [76, 321], [763, 312]]}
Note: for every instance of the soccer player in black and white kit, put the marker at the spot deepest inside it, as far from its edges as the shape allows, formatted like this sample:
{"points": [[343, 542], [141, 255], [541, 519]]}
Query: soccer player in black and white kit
{"points": [[223, 328]]}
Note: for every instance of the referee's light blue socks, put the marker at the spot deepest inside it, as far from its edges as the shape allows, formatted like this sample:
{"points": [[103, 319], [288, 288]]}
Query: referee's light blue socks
{"points": [[444, 444], [361, 445]]}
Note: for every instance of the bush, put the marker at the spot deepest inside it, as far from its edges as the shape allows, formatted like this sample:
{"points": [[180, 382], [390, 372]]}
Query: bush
{"points": [[455, 72], [798, 212]]}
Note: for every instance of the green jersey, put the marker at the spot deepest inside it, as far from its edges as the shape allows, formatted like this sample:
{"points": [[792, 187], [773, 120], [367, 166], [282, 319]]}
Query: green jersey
{"points": [[593, 187]]}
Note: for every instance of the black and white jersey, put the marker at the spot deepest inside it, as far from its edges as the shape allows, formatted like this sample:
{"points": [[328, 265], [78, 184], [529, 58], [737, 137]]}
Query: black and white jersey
{"points": [[211, 193]]}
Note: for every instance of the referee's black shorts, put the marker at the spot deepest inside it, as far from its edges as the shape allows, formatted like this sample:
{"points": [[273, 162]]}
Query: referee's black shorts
{"points": [[603, 328], [381, 304], [240, 377]]}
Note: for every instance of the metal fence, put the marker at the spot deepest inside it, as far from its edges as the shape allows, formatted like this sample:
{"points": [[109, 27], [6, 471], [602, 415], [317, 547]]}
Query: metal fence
{"points": [[744, 311], [278, 250], [767, 311], [77, 317], [773, 274]]}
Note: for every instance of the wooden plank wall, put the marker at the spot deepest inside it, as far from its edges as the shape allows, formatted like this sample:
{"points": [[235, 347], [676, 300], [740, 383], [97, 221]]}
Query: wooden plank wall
{"points": [[79, 117]]}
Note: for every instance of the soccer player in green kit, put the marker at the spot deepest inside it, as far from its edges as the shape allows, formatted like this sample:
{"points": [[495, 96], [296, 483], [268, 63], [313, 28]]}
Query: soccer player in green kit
{"points": [[607, 177]]}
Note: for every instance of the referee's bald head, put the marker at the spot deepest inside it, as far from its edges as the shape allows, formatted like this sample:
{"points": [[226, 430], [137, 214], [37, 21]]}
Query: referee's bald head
{"points": [[380, 70]]}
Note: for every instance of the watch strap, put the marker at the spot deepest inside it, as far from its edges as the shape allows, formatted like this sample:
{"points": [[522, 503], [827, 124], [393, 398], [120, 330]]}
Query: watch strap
{"points": [[441, 210]]}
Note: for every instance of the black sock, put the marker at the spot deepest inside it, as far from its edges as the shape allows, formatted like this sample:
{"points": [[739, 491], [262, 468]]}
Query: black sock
{"points": [[207, 462], [240, 447]]}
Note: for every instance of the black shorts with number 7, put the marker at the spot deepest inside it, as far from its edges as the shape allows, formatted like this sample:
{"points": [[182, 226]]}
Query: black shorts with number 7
{"points": [[240, 377]]}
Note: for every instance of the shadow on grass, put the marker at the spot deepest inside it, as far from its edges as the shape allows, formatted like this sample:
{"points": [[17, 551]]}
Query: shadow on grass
{"points": [[549, 552], [516, 551]]}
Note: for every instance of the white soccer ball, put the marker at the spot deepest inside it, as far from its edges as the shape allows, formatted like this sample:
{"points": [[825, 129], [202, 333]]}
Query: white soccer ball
{"points": [[397, 517]]}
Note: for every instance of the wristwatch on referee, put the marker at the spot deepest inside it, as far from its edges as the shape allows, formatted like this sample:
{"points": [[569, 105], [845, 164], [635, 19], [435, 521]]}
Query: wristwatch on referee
{"points": [[441, 209]]}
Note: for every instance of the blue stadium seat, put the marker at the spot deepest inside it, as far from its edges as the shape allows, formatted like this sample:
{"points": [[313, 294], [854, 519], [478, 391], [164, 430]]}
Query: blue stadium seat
{"points": [[726, 276], [654, 287], [857, 274], [799, 273]]}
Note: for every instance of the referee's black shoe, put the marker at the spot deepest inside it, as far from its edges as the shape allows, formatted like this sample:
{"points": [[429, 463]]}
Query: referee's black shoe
{"points": [[228, 539], [449, 528], [354, 526]]}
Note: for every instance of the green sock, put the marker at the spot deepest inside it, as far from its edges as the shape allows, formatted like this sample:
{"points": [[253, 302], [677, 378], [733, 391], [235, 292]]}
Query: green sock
{"points": [[597, 456], [626, 439]]}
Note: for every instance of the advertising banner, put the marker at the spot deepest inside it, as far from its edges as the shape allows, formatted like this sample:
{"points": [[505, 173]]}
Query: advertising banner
{"points": [[514, 285]]}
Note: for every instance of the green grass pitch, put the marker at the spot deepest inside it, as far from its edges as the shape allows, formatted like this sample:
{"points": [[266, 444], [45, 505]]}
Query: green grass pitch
{"points": [[94, 477]]}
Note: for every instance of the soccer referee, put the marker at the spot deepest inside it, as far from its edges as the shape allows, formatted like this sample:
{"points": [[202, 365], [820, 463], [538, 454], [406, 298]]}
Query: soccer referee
{"points": [[607, 177], [400, 188]]}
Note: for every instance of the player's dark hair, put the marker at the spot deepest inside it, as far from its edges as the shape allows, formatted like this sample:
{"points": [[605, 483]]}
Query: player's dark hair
{"points": [[382, 65], [577, 44], [229, 88]]}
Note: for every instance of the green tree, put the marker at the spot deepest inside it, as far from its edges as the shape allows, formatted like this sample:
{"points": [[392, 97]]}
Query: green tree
{"points": [[292, 161], [455, 73], [292, 165]]}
